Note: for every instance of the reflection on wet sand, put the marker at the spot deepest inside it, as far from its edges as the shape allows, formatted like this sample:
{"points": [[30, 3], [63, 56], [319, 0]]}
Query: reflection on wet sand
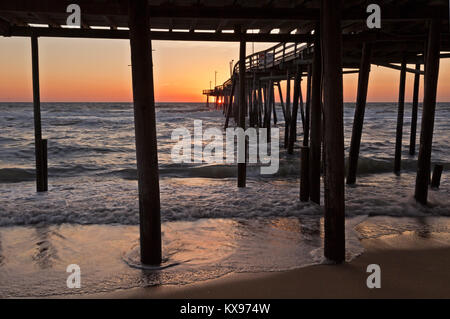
{"points": [[2, 258], [45, 252], [311, 229], [210, 248], [425, 230], [195, 250]]}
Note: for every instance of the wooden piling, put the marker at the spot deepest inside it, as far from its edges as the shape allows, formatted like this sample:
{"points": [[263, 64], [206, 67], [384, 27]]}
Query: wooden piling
{"points": [[236, 103], [288, 110], [280, 94], [145, 130], [225, 103], [304, 174], [302, 108], [334, 242], [41, 169], [253, 105], [428, 111], [242, 167], [400, 114], [248, 93], [315, 150], [44, 164], [255, 102], [293, 124], [415, 106], [264, 95], [358, 121], [272, 93], [260, 105], [308, 107], [230, 102], [268, 111], [437, 173]]}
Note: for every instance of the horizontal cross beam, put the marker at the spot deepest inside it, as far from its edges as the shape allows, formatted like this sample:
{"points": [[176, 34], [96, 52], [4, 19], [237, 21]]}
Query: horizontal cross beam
{"points": [[156, 35], [120, 8], [26, 31], [397, 67]]}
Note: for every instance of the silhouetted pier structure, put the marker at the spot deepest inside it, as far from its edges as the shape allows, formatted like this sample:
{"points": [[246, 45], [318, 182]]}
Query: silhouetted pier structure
{"points": [[330, 36], [220, 93]]}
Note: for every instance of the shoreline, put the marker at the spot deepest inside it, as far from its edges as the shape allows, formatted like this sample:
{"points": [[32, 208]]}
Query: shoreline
{"points": [[411, 267]]}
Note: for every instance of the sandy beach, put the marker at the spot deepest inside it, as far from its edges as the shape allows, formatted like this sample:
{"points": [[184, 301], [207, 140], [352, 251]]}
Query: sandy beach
{"points": [[411, 267]]}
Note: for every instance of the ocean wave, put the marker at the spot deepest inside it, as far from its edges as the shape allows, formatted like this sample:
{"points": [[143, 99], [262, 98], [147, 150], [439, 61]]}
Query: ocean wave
{"points": [[92, 169], [265, 205], [61, 149], [15, 175], [114, 201], [288, 169]]}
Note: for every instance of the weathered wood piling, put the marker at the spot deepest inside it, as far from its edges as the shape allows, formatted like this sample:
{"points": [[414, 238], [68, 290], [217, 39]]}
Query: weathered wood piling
{"points": [[307, 107], [260, 106], [242, 167], [39, 148], [44, 163], [288, 110], [272, 102], [331, 37], [229, 109], [415, 106], [293, 123], [428, 111], [304, 174], [145, 130], [400, 115], [316, 121], [360, 108], [268, 110], [437, 173], [280, 94]]}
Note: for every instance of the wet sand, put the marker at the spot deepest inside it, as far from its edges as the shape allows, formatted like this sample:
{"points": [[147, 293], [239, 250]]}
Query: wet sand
{"points": [[412, 266]]}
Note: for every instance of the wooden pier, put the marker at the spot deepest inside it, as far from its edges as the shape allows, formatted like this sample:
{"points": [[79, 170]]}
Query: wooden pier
{"points": [[318, 41]]}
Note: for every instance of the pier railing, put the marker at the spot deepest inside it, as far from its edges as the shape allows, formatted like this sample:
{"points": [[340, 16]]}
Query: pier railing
{"points": [[265, 60], [219, 88], [280, 53]]}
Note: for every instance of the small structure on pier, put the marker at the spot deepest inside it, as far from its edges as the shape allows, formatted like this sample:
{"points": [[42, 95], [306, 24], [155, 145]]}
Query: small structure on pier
{"points": [[318, 39], [220, 93]]}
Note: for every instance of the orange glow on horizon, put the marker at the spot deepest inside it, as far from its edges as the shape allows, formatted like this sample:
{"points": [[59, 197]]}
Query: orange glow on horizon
{"points": [[85, 70]]}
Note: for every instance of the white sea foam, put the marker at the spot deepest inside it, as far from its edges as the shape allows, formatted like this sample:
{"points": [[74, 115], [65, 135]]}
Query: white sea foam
{"points": [[111, 201]]}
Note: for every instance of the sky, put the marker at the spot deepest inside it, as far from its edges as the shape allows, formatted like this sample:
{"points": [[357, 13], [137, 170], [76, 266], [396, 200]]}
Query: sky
{"points": [[97, 70]]}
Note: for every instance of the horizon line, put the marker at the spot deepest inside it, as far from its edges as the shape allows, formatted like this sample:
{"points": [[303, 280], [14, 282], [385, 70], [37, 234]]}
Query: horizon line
{"points": [[131, 102]]}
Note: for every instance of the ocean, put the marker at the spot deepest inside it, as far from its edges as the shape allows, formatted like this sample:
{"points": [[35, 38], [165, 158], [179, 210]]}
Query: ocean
{"points": [[210, 228]]}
